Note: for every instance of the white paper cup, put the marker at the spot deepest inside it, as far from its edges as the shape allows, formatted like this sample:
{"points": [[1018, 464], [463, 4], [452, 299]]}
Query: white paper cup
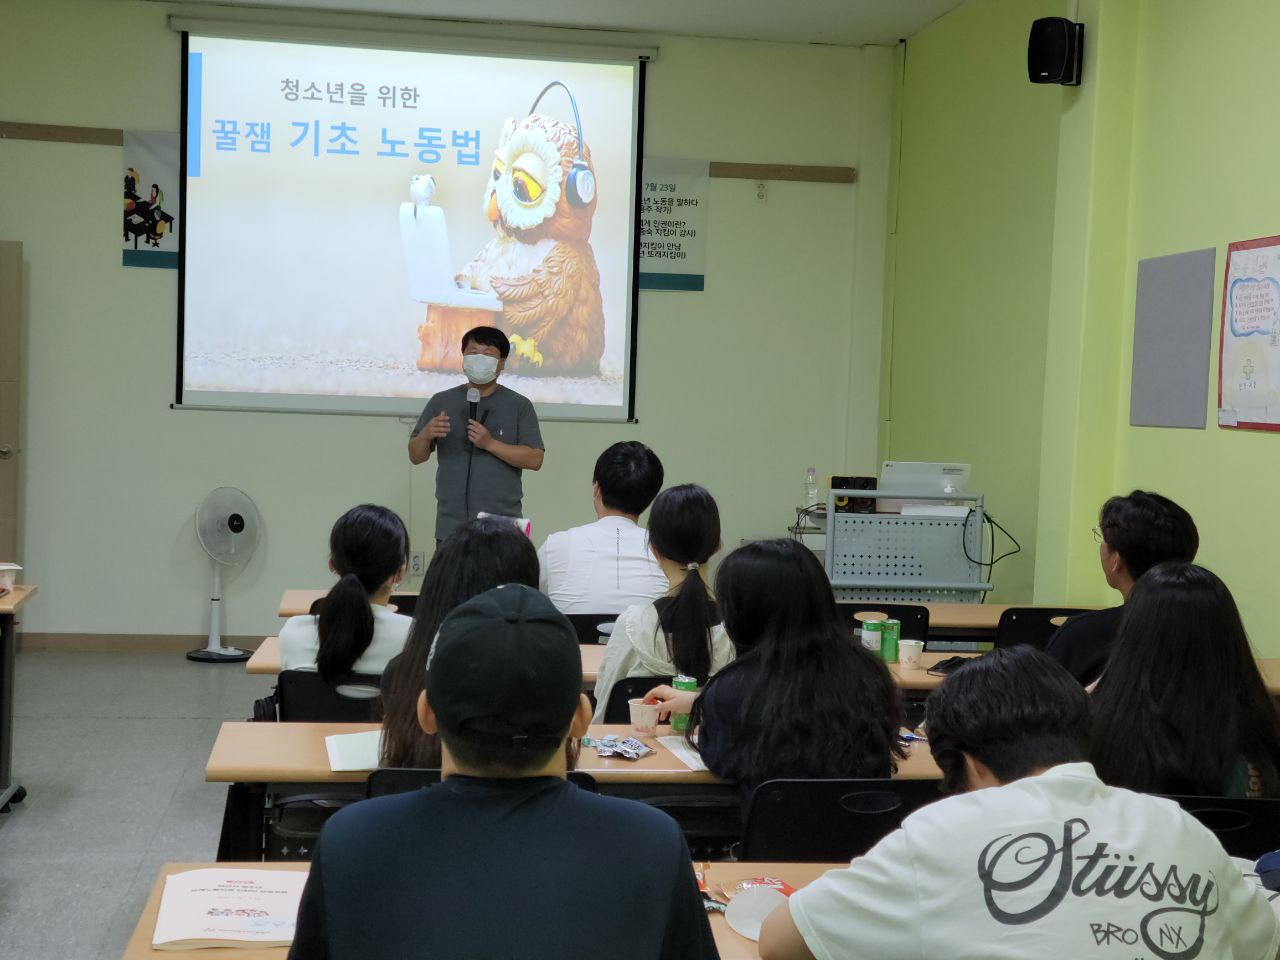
{"points": [[910, 652], [8, 575], [644, 717]]}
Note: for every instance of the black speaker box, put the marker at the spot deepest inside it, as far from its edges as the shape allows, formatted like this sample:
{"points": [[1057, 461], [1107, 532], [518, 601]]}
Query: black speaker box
{"points": [[854, 504], [1055, 51]]}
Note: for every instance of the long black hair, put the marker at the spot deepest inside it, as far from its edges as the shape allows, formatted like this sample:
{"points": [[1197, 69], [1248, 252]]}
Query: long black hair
{"points": [[476, 557], [367, 545], [813, 701], [1181, 703], [684, 527]]}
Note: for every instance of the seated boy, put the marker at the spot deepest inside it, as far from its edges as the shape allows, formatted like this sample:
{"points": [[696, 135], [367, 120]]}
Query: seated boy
{"points": [[504, 858], [1035, 858]]}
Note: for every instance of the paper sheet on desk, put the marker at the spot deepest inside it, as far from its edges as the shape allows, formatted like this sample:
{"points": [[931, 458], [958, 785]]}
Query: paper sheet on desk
{"points": [[684, 753], [354, 751]]}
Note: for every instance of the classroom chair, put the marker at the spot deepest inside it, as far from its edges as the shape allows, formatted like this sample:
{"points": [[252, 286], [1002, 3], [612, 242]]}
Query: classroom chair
{"points": [[1245, 827], [588, 625], [617, 710], [388, 780], [302, 696], [913, 616], [1034, 626], [827, 821]]}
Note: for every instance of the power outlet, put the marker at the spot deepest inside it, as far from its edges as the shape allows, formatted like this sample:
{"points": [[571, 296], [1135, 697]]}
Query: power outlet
{"points": [[417, 563], [762, 191]]}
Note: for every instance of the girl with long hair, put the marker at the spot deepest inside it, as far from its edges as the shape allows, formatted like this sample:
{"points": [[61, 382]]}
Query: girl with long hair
{"points": [[355, 630], [476, 557], [1181, 707], [679, 633]]}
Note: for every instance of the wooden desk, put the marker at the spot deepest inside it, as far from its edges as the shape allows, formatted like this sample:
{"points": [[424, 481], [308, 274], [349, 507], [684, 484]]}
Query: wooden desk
{"points": [[731, 945], [295, 753], [266, 660], [294, 603], [10, 604], [921, 679]]}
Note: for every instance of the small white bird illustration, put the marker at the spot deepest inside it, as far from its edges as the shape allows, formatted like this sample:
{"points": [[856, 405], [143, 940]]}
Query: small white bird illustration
{"points": [[421, 189]]}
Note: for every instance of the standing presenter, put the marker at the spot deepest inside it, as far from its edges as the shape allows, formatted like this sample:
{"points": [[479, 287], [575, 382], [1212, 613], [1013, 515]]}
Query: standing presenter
{"points": [[481, 450]]}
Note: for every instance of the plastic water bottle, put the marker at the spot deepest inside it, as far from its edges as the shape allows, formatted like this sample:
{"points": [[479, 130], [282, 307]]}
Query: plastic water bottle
{"points": [[811, 486]]}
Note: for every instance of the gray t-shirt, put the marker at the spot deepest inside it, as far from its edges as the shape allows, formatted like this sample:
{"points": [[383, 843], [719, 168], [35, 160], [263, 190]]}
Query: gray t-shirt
{"points": [[494, 486]]}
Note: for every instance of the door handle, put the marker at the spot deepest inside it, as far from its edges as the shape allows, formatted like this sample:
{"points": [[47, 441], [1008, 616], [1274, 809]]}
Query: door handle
{"points": [[6, 451]]}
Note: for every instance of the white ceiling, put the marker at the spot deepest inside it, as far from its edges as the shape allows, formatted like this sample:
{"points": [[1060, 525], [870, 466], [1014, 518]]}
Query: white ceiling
{"points": [[841, 22]]}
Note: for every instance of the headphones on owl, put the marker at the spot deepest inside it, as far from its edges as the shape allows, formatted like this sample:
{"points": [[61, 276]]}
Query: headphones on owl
{"points": [[580, 186]]}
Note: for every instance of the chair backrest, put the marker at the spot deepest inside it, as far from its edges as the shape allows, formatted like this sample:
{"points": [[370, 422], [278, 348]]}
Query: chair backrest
{"points": [[827, 820], [304, 697], [913, 616], [1034, 626], [1245, 827], [617, 709], [588, 625], [388, 780]]}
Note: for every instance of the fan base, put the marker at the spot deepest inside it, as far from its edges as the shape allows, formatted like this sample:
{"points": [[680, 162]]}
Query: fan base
{"points": [[220, 655]]}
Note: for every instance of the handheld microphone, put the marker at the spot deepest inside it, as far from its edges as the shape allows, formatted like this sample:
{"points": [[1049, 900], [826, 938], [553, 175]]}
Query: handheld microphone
{"points": [[473, 398]]}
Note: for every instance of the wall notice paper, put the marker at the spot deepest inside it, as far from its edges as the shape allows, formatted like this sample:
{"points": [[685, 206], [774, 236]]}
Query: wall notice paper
{"points": [[151, 169], [351, 212], [673, 224], [354, 751], [683, 752], [1249, 357], [228, 908]]}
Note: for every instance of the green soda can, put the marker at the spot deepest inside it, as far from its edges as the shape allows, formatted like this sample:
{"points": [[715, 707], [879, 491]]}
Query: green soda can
{"points": [[890, 631], [871, 635], [680, 721]]}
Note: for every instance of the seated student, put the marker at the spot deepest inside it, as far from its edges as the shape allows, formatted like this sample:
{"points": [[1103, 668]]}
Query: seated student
{"points": [[1181, 707], [606, 566], [355, 630], [1036, 858], [477, 556], [802, 698], [1134, 533], [502, 859], [679, 633]]}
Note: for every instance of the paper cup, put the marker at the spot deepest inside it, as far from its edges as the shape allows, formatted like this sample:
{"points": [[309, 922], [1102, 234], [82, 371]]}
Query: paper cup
{"points": [[644, 717], [8, 575], [910, 652]]}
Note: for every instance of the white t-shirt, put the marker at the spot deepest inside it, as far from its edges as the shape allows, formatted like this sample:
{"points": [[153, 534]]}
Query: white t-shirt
{"points": [[601, 567], [1055, 866], [638, 648], [300, 643]]}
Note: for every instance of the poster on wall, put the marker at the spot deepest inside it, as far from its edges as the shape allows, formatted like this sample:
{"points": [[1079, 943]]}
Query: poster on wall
{"points": [[673, 224], [1249, 358], [150, 232]]}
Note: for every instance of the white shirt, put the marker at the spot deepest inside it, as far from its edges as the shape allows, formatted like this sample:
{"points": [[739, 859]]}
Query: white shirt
{"points": [[601, 567], [300, 643], [1055, 866], [638, 648]]}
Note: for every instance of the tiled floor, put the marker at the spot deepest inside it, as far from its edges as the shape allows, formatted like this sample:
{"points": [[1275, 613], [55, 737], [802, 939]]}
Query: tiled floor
{"points": [[111, 748]]}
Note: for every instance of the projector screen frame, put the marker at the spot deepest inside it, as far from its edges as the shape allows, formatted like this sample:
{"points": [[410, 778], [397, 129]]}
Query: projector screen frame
{"points": [[348, 405]]}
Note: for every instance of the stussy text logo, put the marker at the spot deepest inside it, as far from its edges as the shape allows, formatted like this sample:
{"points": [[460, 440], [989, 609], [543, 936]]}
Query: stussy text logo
{"points": [[1010, 865]]}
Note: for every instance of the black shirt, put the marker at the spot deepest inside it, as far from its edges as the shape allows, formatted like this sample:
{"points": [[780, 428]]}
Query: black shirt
{"points": [[1083, 643], [477, 869]]}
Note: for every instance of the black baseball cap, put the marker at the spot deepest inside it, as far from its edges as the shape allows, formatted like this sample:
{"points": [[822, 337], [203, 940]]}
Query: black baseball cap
{"points": [[505, 670]]}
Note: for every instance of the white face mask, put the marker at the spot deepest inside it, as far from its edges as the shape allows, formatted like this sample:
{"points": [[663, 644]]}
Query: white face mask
{"points": [[480, 367]]}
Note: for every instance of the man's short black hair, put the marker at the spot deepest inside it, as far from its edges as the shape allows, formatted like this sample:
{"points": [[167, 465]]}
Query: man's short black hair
{"points": [[488, 337], [1146, 529], [503, 761], [630, 476], [1014, 710]]}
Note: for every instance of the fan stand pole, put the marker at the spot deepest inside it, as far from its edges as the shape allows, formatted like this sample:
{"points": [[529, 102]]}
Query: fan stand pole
{"points": [[214, 651]]}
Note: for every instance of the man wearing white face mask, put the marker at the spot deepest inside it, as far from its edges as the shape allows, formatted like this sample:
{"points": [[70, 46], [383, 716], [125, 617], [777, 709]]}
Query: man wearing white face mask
{"points": [[479, 461]]}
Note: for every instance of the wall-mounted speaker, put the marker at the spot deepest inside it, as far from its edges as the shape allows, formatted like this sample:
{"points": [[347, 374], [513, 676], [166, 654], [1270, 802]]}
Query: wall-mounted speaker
{"points": [[1055, 51]]}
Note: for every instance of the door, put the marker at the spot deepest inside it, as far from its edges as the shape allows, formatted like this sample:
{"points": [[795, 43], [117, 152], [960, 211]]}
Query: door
{"points": [[10, 391]]}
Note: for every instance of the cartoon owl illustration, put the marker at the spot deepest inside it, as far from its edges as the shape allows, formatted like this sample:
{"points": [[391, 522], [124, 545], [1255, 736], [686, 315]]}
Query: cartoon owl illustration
{"points": [[540, 199]]}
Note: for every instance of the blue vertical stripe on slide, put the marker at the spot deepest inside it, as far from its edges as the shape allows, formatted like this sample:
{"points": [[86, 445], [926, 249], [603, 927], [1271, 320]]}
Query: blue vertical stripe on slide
{"points": [[194, 71]]}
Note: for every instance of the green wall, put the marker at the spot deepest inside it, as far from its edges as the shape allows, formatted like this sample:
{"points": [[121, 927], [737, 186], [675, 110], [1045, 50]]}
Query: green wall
{"points": [[970, 257]]}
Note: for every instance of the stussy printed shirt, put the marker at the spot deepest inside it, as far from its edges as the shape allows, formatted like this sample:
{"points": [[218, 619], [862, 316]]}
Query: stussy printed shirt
{"points": [[1055, 866]]}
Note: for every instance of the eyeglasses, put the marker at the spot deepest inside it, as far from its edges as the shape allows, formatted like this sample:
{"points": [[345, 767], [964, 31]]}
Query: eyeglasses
{"points": [[1097, 535]]}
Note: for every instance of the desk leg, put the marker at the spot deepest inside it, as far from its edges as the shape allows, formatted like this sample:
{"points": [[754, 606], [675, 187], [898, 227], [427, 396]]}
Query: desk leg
{"points": [[10, 792], [242, 823]]}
